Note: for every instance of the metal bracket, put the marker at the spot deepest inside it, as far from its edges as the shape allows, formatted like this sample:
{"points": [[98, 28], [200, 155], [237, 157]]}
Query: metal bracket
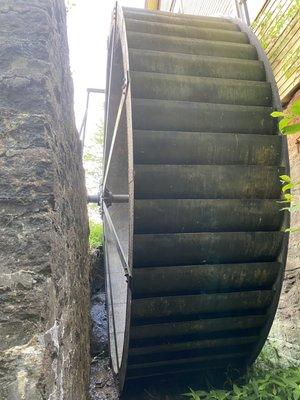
{"points": [[85, 116]]}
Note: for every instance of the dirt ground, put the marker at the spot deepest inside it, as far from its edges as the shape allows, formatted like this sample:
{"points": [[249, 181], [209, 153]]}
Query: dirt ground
{"points": [[103, 386]]}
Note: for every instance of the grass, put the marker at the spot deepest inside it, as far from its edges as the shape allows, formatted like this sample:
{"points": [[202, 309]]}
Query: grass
{"points": [[271, 378], [96, 232]]}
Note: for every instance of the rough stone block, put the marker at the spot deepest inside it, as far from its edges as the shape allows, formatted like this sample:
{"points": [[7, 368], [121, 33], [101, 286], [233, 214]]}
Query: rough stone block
{"points": [[44, 275]]}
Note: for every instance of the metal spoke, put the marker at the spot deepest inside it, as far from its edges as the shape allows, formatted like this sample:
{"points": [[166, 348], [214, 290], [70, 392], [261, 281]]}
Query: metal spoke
{"points": [[117, 242], [113, 140]]}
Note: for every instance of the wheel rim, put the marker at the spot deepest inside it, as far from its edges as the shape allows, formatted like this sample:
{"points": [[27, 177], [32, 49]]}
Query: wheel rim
{"points": [[200, 236]]}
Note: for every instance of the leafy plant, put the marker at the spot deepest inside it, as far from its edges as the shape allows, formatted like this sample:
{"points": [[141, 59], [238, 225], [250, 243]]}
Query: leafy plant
{"points": [[274, 31], [288, 124], [96, 231], [92, 162], [269, 378], [93, 159]]}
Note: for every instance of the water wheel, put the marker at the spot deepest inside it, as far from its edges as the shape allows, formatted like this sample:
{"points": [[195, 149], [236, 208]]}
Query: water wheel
{"points": [[194, 243]]}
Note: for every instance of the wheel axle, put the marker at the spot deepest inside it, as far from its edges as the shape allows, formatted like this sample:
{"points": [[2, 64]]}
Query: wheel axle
{"points": [[108, 197]]}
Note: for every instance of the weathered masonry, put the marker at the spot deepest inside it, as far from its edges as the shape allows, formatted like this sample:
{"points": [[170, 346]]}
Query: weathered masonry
{"points": [[44, 325]]}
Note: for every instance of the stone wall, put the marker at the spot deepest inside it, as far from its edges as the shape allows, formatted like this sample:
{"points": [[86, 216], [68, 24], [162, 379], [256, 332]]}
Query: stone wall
{"points": [[44, 274], [286, 327]]}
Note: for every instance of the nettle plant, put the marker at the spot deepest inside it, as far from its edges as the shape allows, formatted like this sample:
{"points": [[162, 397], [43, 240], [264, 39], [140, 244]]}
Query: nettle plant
{"points": [[289, 125]]}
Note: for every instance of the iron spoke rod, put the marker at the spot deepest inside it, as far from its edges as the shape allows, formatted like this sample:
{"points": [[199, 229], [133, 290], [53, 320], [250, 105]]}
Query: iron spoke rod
{"points": [[115, 131], [117, 242]]}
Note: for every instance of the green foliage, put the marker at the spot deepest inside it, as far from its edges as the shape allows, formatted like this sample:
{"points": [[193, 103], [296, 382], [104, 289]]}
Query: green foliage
{"points": [[285, 178], [92, 162], [291, 66], [94, 145], [272, 30], [268, 379], [96, 232], [272, 25], [288, 124]]}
